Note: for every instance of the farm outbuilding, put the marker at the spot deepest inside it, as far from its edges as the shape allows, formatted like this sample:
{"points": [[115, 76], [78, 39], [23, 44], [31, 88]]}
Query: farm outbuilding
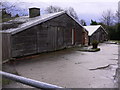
{"points": [[34, 34], [96, 32]]}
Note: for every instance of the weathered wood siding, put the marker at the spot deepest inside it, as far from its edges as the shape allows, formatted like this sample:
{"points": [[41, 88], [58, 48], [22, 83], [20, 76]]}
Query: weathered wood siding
{"points": [[99, 35], [24, 43], [42, 36], [6, 46], [51, 35], [78, 34]]}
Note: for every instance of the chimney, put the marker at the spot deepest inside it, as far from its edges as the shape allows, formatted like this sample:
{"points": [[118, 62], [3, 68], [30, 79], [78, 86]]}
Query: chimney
{"points": [[34, 12]]}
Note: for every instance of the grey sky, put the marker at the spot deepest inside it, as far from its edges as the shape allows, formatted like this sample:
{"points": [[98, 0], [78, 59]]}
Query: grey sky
{"points": [[85, 9], [63, 0]]}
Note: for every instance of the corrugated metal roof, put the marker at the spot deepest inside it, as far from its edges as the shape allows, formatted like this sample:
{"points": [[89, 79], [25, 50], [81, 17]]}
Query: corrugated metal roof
{"points": [[91, 29], [29, 22]]}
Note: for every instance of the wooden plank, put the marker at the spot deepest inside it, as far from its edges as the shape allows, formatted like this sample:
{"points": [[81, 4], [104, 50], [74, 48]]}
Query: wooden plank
{"points": [[6, 47], [42, 34], [24, 43]]}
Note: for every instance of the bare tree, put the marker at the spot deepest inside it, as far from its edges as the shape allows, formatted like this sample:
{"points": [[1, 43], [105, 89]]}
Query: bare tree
{"points": [[52, 9], [11, 8], [82, 22], [118, 13], [117, 16], [70, 10], [107, 18], [8, 7]]}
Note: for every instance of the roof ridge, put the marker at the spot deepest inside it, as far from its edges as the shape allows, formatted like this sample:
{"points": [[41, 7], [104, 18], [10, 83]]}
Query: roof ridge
{"points": [[92, 28], [29, 22]]}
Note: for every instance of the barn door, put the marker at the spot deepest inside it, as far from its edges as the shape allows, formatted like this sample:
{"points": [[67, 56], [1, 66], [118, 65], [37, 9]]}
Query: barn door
{"points": [[60, 38], [41, 39], [52, 39]]}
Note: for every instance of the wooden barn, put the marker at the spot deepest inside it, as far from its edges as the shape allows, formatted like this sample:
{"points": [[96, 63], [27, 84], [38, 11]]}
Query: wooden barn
{"points": [[96, 32], [37, 33]]}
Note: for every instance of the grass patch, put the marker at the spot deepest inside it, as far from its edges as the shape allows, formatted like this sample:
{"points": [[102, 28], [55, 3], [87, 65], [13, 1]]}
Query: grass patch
{"points": [[90, 50], [94, 50], [6, 81], [116, 41], [119, 41], [16, 73]]}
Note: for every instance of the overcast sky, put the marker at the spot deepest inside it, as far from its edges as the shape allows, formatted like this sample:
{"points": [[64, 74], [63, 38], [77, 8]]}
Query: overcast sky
{"points": [[64, 0], [86, 9]]}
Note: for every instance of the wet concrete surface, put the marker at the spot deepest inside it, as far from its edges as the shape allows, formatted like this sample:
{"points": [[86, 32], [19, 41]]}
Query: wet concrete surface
{"points": [[72, 68]]}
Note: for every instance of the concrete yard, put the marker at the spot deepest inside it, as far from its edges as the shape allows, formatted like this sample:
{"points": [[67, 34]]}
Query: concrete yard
{"points": [[71, 68]]}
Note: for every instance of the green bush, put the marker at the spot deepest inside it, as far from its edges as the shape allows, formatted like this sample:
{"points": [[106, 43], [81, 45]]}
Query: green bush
{"points": [[95, 44]]}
